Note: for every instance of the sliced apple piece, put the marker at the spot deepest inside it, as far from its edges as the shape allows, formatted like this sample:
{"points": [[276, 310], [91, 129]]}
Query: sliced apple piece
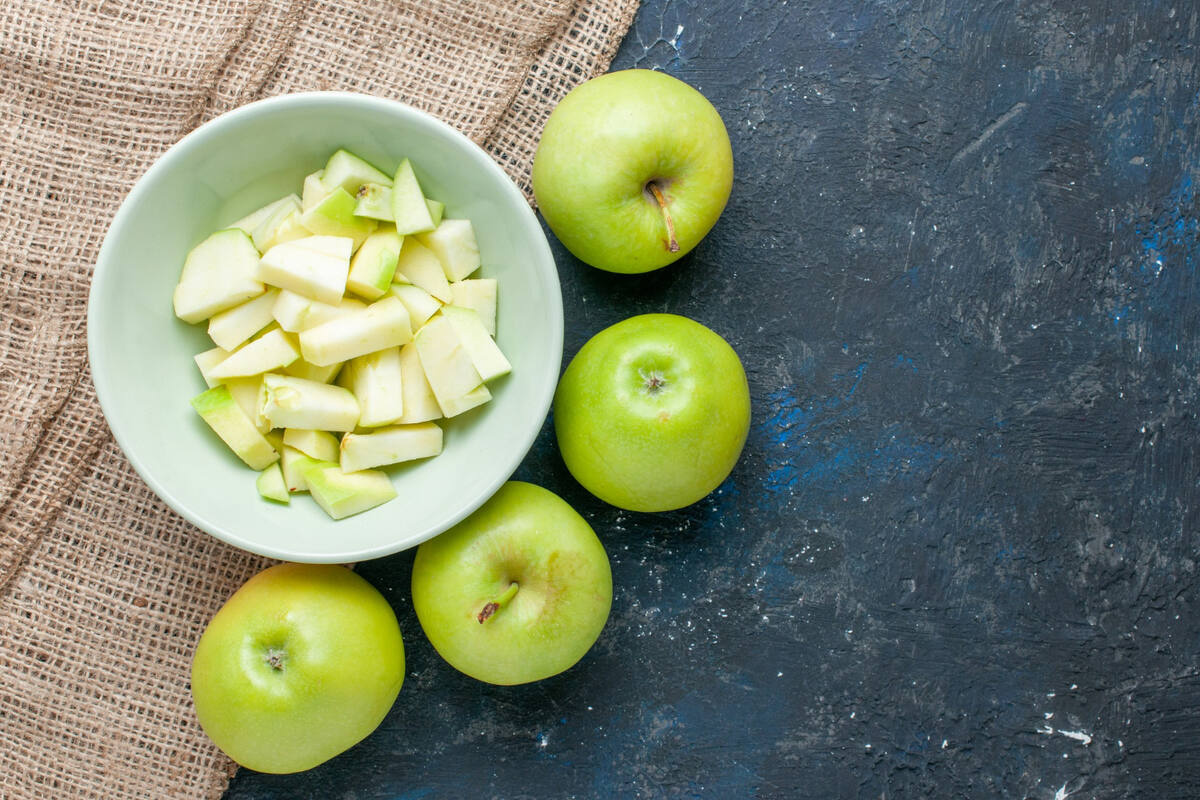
{"points": [[390, 445], [409, 211], [421, 304], [376, 380], [420, 405], [479, 295], [297, 403], [382, 324], [455, 246], [221, 412], [288, 231], [418, 264], [485, 355], [374, 265], [347, 171], [321, 445], [254, 219], [437, 210], [342, 494], [295, 312], [246, 393], [293, 463], [209, 359], [448, 368], [374, 200], [272, 350], [315, 267], [219, 273], [267, 229], [310, 372], [314, 190], [334, 216], [271, 486], [235, 325]]}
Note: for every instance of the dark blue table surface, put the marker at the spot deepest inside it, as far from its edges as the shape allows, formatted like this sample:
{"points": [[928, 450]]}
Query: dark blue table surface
{"points": [[958, 557]]}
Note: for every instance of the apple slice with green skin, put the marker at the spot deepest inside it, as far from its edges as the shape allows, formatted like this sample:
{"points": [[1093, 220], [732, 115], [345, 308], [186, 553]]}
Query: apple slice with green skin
{"points": [[479, 295], [376, 381], [343, 494], [334, 216], [632, 170], [652, 413], [454, 244], [288, 231], [390, 445], [272, 350], [295, 312], [222, 413], [293, 463], [489, 362], [382, 324], [420, 405], [374, 265], [421, 267], [321, 445], [347, 171], [374, 200], [301, 663], [315, 267], [219, 273], [254, 219], [235, 325], [310, 372], [409, 210], [314, 190], [297, 403], [247, 393], [437, 210], [448, 367], [270, 485], [515, 593], [209, 359], [268, 228], [421, 304]]}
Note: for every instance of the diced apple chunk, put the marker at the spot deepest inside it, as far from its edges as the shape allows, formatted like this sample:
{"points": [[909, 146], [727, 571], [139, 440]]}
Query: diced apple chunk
{"points": [[421, 304], [315, 266], [420, 405], [485, 355], [297, 403], [288, 231], [321, 445], [334, 216], [295, 312], [209, 359], [409, 210], [436, 210], [374, 264], [235, 325], [390, 445], [271, 485], [254, 219], [314, 190], [219, 273], [479, 295], [374, 200], [310, 372], [272, 350], [347, 171], [418, 264], [342, 494], [293, 463], [382, 324], [376, 380], [453, 242], [280, 212], [247, 394], [222, 413], [448, 368]]}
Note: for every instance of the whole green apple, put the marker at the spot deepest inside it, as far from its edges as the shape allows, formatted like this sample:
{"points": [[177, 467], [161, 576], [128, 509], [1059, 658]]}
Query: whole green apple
{"points": [[518, 591], [652, 413], [301, 663], [632, 170]]}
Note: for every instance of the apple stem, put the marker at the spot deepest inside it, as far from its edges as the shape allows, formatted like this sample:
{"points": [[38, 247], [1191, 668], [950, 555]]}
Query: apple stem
{"points": [[492, 607], [672, 243], [275, 659]]}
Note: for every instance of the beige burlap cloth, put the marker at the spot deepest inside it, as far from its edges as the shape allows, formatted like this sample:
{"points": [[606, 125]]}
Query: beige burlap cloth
{"points": [[103, 589]]}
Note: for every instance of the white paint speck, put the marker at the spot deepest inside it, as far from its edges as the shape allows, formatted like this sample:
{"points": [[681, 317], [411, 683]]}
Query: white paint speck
{"points": [[945, 743]]}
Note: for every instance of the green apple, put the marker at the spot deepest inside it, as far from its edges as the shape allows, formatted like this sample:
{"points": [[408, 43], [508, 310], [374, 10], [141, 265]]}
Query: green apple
{"points": [[300, 664], [652, 413], [632, 170], [517, 592]]}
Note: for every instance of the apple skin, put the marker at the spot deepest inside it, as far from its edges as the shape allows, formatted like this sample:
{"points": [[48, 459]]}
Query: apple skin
{"points": [[525, 535], [605, 142], [342, 667], [646, 449]]}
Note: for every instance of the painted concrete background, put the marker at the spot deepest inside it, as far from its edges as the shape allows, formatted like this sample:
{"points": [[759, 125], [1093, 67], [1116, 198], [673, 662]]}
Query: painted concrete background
{"points": [[958, 558]]}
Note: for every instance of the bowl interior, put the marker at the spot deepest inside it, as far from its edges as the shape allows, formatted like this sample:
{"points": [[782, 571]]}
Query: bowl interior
{"points": [[141, 354]]}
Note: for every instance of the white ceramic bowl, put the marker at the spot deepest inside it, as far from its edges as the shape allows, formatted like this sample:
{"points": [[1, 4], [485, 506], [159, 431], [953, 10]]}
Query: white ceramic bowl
{"points": [[141, 354]]}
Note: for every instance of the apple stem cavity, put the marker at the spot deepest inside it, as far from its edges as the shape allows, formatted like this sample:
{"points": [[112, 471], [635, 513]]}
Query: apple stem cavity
{"points": [[672, 243], [653, 380], [493, 606], [275, 659]]}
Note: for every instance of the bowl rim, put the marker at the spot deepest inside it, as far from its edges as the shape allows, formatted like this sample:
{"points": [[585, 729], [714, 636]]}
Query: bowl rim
{"points": [[103, 268]]}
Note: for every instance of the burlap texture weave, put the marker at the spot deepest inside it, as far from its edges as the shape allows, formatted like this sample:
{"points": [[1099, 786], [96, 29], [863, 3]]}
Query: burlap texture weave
{"points": [[104, 590]]}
